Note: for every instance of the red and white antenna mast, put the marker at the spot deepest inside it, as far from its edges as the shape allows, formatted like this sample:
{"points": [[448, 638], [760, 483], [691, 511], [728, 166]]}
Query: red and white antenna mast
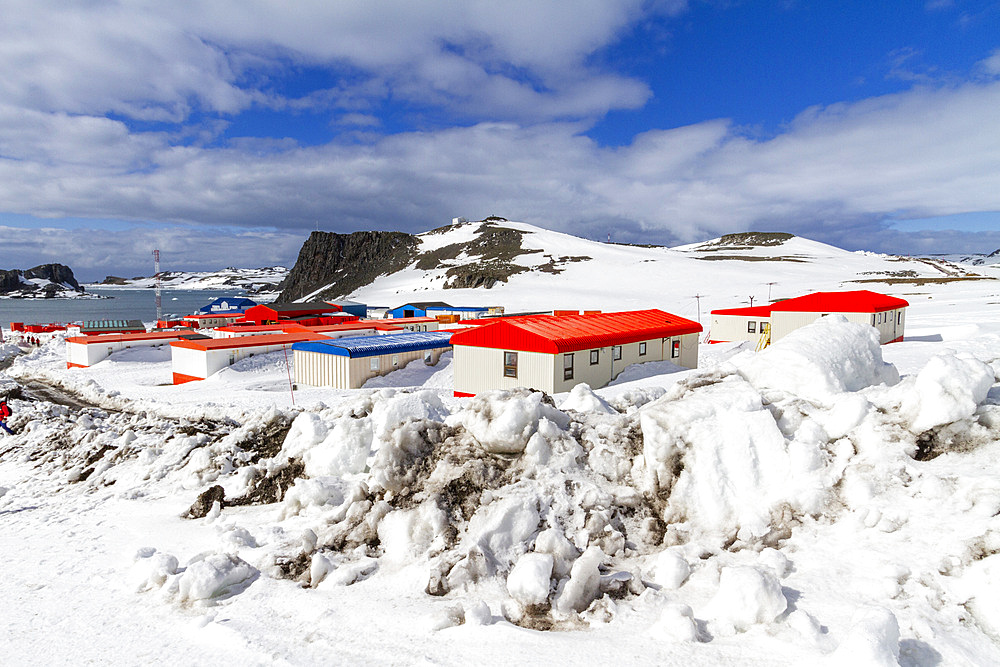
{"points": [[156, 267]]}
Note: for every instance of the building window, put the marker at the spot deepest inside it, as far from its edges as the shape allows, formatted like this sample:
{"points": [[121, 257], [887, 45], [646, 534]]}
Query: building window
{"points": [[873, 320], [373, 364], [751, 327], [763, 327], [675, 349], [899, 317], [510, 364], [595, 357], [395, 360], [642, 349], [567, 367], [616, 352]]}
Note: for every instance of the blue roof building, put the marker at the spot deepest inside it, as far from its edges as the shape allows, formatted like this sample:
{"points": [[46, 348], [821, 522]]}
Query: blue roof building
{"points": [[347, 363], [227, 304], [433, 308]]}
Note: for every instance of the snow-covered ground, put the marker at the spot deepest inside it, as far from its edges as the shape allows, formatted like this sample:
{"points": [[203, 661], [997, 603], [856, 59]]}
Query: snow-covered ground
{"points": [[824, 501]]}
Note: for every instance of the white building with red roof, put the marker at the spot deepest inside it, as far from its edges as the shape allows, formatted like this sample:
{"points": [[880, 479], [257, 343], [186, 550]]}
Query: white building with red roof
{"points": [[199, 359], [765, 324], [85, 351], [555, 353]]}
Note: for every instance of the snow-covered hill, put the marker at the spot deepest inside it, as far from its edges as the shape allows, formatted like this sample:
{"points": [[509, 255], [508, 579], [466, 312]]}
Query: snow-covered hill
{"points": [[251, 281], [543, 269]]}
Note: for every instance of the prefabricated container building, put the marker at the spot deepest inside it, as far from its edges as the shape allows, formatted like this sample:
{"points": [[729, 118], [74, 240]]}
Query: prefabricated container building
{"points": [[347, 363], [553, 354]]}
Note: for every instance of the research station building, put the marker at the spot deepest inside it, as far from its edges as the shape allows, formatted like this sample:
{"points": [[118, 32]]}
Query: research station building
{"points": [[765, 324], [555, 353], [85, 351], [347, 363]]}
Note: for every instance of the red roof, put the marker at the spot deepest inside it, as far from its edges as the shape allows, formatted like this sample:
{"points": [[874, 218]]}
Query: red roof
{"points": [[756, 311], [124, 338], [247, 341], [552, 335], [213, 316], [857, 301]]}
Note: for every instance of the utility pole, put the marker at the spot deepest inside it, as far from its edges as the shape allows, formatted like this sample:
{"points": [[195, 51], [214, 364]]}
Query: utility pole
{"points": [[156, 267], [697, 298], [769, 291], [751, 302]]}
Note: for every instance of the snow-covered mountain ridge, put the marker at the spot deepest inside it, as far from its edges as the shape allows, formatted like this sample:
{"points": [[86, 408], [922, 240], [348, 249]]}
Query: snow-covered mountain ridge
{"points": [[252, 281], [526, 268]]}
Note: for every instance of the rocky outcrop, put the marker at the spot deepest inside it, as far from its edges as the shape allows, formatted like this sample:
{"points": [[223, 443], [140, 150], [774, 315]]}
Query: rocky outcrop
{"points": [[56, 273], [59, 276], [344, 262]]}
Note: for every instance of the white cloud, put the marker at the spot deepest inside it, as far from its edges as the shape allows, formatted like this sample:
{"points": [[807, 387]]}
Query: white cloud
{"points": [[161, 60], [921, 153]]}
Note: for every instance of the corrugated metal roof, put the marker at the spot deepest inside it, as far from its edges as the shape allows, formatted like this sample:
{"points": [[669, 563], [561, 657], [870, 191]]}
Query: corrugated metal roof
{"points": [[111, 325], [551, 335], [122, 338], [857, 301], [246, 341], [755, 311], [370, 346]]}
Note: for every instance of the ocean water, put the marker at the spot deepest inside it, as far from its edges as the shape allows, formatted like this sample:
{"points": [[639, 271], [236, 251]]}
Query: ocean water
{"points": [[124, 304]]}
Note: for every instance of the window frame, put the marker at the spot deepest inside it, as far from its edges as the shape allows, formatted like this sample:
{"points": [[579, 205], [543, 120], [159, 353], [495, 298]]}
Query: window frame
{"points": [[568, 366], [675, 349], [752, 326], [374, 364], [642, 349], [510, 369], [595, 357], [616, 352]]}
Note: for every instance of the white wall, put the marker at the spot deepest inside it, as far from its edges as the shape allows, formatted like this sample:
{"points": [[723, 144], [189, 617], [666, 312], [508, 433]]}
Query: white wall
{"points": [[726, 328]]}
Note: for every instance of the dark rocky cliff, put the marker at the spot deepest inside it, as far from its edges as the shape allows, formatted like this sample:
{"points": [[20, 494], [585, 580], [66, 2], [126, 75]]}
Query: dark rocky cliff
{"points": [[346, 262], [58, 275]]}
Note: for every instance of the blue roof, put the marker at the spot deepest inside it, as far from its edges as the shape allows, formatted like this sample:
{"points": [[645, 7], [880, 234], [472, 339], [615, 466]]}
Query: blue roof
{"points": [[459, 309], [370, 346]]}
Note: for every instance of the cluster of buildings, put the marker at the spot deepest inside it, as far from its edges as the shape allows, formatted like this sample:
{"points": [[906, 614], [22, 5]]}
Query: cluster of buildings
{"points": [[335, 344]]}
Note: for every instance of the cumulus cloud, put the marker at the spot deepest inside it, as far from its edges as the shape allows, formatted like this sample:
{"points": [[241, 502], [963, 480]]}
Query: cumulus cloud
{"points": [[161, 61], [926, 152]]}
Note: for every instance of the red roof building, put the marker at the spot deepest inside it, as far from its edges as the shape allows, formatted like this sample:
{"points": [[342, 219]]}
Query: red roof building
{"points": [[764, 324], [554, 353]]}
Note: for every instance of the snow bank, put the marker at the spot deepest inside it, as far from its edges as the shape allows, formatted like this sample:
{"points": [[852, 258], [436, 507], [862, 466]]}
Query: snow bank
{"points": [[717, 457], [821, 361], [950, 387], [503, 421]]}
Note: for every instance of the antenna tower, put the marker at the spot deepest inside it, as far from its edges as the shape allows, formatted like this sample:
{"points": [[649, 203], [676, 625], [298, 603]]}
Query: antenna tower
{"points": [[156, 267]]}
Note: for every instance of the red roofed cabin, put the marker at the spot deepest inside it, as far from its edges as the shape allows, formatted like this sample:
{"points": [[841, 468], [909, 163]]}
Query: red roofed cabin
{"points": [[555, 353], [270, 313], [765, 324]]}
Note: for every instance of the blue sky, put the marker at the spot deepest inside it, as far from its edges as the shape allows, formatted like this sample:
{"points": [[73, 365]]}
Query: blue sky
{"points": [[223, 133]]}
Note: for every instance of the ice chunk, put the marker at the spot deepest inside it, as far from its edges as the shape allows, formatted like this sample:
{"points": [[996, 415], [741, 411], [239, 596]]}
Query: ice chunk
{"points": [[872, 640], [670, 569], [344, 451], [502, 529], [746, 596], [820, 361], [950, 387], [503, 421], [676, 624], [151, 569], [214, 576], [584, 583], [406, 534], [583, 399], [528, 581]]}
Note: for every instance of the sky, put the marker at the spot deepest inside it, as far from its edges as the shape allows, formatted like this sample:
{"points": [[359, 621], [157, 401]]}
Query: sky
{"points": [[223, 132]]}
